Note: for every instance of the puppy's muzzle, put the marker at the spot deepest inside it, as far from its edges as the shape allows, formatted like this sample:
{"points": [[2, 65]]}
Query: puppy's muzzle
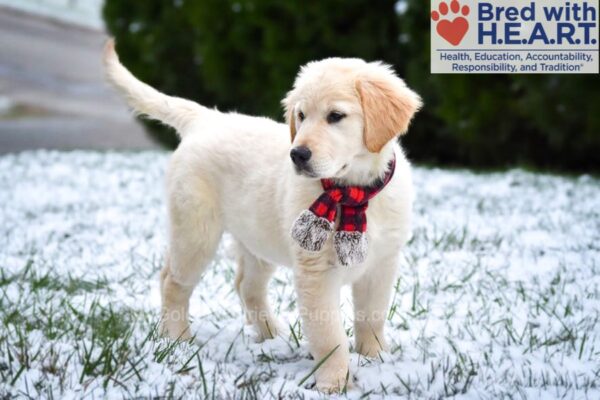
{"points": [[300, 156]]}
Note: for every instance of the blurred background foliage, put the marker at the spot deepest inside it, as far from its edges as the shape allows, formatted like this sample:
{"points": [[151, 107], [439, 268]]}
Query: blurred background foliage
{"points": [[243, 55]]}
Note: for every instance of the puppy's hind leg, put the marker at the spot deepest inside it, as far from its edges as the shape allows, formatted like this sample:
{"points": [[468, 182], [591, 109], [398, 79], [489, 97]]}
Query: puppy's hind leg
{"points": [[195, 232], [251, 283]]}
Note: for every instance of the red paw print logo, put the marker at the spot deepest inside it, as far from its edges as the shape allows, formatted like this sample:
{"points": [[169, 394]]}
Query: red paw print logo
{"points": [[452, 30]]}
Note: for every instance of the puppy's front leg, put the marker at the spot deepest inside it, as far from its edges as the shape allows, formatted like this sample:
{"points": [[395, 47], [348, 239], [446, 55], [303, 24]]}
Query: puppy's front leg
{"points": [[371, 294], [318, 289]]}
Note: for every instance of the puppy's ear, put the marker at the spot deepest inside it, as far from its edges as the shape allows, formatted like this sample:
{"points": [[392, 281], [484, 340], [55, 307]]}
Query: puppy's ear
{"points": [[292, 123], [388, 106], [290, 118]]}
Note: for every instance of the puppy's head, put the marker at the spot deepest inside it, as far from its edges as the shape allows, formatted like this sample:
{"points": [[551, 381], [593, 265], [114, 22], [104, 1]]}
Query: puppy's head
{"points": [[342, 113]]}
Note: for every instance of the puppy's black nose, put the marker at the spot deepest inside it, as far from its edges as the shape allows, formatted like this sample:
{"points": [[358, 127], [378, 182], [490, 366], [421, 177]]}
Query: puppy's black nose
{"points": [[300, 156]]}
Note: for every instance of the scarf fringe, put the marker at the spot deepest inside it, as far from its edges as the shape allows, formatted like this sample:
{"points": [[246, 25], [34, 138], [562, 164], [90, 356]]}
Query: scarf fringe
{"points": [[351, 247], [310, 231]]}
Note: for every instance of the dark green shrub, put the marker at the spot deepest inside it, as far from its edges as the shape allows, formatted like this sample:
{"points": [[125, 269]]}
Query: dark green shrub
{"points": [[243, 55]]}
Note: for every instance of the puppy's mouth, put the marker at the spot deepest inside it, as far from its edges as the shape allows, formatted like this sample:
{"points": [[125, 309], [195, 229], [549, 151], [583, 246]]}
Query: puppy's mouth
{"points": [[306, 171], [309, 172]]}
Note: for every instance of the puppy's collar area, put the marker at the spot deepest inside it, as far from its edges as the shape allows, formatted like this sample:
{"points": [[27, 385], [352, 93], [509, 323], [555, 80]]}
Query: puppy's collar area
{"points": [[313, 227], [366, 168]]}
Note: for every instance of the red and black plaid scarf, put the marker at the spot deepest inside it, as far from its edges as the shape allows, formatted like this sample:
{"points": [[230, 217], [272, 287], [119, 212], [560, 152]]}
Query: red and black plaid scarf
{"points": [[311, 229], [353, 201]]}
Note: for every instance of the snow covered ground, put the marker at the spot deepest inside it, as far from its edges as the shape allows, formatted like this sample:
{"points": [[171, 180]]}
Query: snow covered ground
{"points": [[498, 293]]}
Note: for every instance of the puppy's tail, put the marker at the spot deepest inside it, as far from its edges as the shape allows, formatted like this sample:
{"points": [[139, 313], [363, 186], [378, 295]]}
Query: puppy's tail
{"points": [[145, 100]]}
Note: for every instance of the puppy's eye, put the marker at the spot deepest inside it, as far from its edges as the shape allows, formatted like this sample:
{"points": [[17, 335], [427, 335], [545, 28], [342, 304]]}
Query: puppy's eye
{"points": [[335, 116], [301, 116]]}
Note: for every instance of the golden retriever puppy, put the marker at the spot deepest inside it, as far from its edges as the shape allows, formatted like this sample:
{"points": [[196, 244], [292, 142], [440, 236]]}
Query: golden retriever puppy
{"points": [[246, 176]]}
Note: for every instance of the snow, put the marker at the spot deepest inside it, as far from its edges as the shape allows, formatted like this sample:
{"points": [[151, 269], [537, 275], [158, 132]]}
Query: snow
{"points": [[498, 291]]}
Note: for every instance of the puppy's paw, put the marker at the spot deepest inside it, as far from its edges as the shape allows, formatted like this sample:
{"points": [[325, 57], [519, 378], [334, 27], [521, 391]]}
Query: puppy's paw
{"points": [[175, 330], [371, 346], [268, 329], [333, 381]]}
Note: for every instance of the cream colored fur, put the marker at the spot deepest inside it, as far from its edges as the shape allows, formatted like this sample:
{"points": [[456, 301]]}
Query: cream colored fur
{"points": [[233, 173]]}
